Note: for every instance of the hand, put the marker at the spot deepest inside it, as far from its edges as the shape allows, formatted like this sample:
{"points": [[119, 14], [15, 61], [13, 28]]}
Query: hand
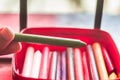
{"points": [[7, 45]]}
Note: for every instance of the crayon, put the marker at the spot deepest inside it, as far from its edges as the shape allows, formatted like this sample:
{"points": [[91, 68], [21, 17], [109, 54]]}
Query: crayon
{"points": [[63, 65], [27, 66], [113, 76], [53, 66], [78, 64], [36, 64], [70, 64], [58, 41], [101, 67], [86, 68], [92, 63], [108, 62], [43, 68], [58, 73], [49, 60]]}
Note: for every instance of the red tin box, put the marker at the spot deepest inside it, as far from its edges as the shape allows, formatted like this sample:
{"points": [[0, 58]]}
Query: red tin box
{"points": [[87, 35]]}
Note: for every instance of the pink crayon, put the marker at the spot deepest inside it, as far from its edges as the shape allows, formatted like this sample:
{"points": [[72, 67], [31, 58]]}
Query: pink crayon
{"points": [[78, 64], [86, 67], [27, 66], [108, 62], [53, 66], [43, 68]]}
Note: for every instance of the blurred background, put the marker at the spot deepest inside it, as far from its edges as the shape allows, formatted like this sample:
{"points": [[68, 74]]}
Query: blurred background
{"points": [[63, 13], [60, 6]]}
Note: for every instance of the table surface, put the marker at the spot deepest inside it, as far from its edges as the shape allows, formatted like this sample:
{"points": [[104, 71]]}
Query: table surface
{"points": [[109, 24]]}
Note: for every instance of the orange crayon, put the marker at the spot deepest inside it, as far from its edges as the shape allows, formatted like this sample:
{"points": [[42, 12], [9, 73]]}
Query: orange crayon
{"points": [[78, 64], [101, 67]]}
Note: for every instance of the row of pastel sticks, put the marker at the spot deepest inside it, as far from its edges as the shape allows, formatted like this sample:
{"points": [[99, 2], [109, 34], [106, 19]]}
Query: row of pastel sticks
{"points": [[92, 63]]}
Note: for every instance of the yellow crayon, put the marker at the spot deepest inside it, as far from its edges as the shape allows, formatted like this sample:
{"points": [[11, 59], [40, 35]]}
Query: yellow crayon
{"points": [[113, 76]]}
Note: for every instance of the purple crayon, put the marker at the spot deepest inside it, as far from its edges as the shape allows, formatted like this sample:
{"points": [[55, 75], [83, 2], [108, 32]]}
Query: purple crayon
{"points": [[63, 65], [92, 63], [58, 73]]}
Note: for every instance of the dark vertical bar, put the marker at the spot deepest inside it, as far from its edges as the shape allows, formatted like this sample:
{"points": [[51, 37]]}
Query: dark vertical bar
{"points": [[98, 15], [23, 14]]}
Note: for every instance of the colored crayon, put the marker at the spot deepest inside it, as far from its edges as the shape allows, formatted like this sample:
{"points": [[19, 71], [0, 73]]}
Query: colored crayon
{"points": [[43, 68], [53, 66], [86, 68], [27, 66], [58, 73], [101, 67], [36, 64], [108, 62], [70, 64], [92, 63], [58, 41], [63, 65], [113, 76], [78, 64], [49, 60]]}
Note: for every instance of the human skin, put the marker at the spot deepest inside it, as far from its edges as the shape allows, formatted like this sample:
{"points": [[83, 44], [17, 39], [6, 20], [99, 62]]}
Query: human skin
{"points": [[7, 45]]}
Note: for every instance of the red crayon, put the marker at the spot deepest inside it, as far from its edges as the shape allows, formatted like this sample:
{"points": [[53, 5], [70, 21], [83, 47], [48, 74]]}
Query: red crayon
{"points": [[53, 66], [86, 66], [70, 65], [58, 73], [108, 62], [78, 64], [43, 69]]}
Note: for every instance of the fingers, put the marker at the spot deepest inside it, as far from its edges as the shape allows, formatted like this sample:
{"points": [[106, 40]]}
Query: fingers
{"points": [[11, 48], [6, 36]]}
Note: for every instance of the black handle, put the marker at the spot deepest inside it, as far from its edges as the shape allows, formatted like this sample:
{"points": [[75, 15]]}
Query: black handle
{"points": [[98, 15], [23, 14]]}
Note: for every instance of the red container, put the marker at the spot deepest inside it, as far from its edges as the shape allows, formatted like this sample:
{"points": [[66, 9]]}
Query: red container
{"points": [[87, 35]]}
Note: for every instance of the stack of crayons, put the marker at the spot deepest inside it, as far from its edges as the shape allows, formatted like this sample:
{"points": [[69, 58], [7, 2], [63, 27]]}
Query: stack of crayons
{"points": [[92, 63]]}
